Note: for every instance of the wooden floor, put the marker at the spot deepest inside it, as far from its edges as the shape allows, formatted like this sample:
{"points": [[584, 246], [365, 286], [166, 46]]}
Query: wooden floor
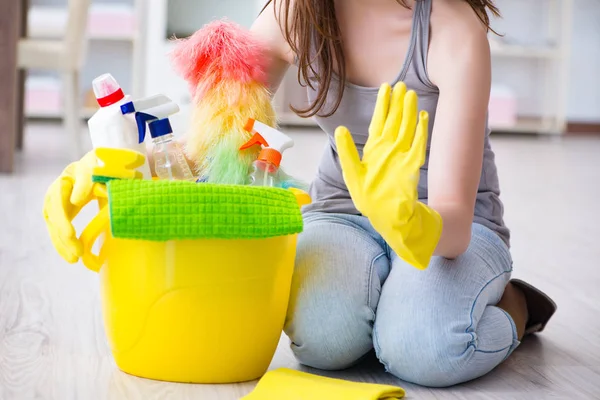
{"points": [[52, 343]]}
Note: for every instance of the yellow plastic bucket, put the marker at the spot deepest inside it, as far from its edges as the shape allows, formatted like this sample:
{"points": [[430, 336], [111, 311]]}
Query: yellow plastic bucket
{"points": [[196, 311]]}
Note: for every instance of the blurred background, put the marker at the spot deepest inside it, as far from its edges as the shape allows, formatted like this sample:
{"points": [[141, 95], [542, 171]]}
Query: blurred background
{"points": [[544, 65], [545, 76], [544, 113]]}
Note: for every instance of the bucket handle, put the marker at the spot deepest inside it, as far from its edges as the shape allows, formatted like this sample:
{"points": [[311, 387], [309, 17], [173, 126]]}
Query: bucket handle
{"points": [[117, 164], [98, 225], [302, 197]]}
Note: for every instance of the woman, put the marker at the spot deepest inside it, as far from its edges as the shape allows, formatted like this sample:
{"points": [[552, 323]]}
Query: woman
{"points": [[355, 285]]}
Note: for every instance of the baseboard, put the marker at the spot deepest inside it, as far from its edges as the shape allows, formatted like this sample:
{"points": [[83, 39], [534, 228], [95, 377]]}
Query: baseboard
{"points": [[587, 128]]}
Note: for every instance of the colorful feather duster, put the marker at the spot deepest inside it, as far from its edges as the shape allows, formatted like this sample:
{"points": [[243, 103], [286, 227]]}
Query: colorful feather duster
{"points": [[226, 68]]}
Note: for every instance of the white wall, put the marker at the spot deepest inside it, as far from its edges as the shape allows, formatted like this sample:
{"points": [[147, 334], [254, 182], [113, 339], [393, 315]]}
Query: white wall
{"points": [[187, 16], [584, 94], [525, 21]]}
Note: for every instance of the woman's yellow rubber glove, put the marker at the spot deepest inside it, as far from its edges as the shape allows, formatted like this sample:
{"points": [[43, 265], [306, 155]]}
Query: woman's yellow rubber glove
{"points": [[383, 185], [65, 198]]}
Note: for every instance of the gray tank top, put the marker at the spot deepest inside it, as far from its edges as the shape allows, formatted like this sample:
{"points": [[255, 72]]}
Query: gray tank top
{"points": [[328, 190]]}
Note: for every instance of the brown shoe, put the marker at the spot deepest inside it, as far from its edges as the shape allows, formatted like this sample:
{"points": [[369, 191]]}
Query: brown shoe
{"points": [[540, 307]]}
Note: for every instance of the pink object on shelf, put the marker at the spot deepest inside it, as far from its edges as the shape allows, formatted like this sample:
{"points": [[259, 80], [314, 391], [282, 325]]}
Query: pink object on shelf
{"points": [[502, 108], [104, 21], [111, 20], [42, 96]]}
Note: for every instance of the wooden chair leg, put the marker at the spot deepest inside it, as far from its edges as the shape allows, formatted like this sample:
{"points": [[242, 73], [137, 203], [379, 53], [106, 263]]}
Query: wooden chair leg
{"points": [[72, 111], [20, 110], [10, 18], [21, 77]]}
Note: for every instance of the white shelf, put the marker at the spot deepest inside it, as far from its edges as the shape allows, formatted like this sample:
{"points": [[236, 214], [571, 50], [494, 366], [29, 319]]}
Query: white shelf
{"points": [[112, 38], [550, 48], [517, 51], [94, 37], [530, 126], [49, 22], [86, 113]]}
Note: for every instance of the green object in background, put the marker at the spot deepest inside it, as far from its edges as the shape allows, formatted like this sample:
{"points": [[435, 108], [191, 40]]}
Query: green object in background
{"points": [[179, 210]]}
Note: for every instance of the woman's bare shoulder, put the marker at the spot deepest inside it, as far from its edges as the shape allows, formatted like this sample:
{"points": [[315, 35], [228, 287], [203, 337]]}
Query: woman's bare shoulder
{"points": [[457, 36], [455, 14], [269, 27]]}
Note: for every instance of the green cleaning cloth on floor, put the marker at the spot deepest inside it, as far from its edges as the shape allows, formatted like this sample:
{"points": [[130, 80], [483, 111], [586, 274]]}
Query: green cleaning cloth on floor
{"points": [[180, 210], [287, 384]]}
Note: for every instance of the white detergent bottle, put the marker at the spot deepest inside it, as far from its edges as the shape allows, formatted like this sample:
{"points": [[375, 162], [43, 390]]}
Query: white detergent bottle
{"points": [[108, 126], [169, 160], [274, 143]]}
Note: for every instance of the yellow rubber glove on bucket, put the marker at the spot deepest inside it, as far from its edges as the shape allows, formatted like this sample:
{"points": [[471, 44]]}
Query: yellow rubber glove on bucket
{"points": [[383, 185], [74, 189], [287, 384], [64, 199]]}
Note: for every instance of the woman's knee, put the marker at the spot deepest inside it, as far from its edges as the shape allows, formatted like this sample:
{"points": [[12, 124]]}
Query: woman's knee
{"points": [[432, 326], [426, 358], [334, 294], [329, 325], [322, 340]]}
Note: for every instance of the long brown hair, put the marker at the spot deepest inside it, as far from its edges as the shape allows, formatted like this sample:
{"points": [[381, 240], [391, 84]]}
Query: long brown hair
{"points": [[311, 29]]}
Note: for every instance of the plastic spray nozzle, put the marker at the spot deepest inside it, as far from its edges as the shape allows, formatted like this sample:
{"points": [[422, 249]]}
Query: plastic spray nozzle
{"points": [[274, 142], [144, 104], [107, 90], [157, 120]]}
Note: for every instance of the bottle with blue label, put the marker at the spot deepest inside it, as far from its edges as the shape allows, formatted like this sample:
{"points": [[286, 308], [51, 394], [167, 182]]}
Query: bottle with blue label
{"points": [[169, 159]]}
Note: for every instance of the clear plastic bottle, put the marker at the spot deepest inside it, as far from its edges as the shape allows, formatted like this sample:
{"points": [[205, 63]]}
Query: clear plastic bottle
{"points": [[263, 173], [265, 169], [169, 159]]}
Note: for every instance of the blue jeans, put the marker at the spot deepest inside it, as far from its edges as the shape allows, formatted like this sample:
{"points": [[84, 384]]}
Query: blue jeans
{"points": [[436, 327]]}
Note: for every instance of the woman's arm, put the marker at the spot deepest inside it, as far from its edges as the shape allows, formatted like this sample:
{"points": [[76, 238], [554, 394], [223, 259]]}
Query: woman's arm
{"points": [[269, 27], [459, 65]]}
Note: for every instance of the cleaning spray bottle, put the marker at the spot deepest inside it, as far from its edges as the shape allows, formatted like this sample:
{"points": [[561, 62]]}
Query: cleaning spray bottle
{"points": [[110, 126], [274, 143], [169, 159]]}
